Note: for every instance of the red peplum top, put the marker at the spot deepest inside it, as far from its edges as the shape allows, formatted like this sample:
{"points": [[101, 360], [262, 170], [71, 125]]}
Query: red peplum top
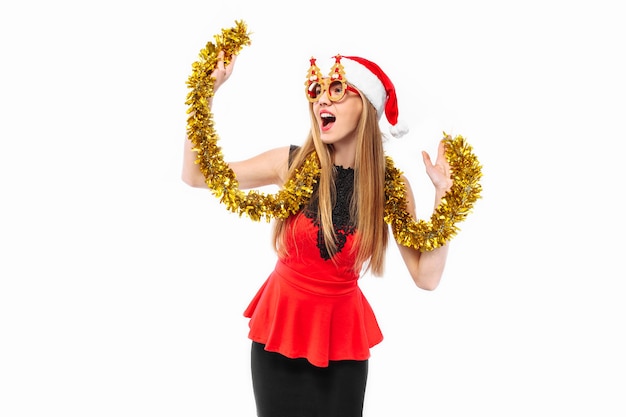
{"points": [[311, 307]]}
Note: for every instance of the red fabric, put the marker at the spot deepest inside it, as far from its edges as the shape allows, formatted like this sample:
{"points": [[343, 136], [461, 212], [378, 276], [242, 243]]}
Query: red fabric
{"points": [[313, 308]]}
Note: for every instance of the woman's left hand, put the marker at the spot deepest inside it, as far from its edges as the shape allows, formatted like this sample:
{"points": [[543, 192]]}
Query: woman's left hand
{"points": [[439, 172]]}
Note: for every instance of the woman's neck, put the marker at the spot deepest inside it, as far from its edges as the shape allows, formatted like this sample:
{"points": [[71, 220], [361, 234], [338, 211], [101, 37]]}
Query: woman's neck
{"points": [[344, 154]]}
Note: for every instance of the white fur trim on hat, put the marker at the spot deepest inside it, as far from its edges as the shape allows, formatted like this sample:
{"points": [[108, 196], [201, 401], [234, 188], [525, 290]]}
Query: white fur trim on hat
{"points": [[367, 83]]}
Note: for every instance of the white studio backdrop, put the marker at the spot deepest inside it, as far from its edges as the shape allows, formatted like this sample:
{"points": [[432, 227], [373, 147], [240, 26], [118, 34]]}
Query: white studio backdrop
{"points": [[122, 289]]}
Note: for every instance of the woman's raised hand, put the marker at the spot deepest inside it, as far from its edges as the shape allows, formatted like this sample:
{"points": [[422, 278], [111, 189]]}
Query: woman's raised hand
{"points": [[222, 72], [439, 172]]}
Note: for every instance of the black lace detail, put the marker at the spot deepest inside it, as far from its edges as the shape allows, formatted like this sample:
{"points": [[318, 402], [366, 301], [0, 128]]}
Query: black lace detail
{"points": [[343, 225]]}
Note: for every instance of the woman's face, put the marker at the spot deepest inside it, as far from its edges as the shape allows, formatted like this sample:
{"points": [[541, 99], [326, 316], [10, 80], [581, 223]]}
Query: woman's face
{"points": [[338, 120]]}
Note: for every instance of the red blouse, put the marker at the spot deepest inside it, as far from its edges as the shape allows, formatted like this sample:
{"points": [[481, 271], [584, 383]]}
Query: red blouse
{"points": [[311, 307]]}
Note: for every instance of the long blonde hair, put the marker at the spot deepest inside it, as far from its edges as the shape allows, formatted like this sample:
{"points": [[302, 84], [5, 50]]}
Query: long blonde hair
{"points": [[368, 199]]}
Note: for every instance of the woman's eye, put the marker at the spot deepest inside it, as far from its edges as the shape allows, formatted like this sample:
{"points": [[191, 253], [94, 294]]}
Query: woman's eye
{"points": [[336, 89]]}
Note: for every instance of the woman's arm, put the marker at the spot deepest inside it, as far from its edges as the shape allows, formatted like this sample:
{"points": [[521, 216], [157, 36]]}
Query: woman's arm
{"points": [[267, 168], [426, 268]]}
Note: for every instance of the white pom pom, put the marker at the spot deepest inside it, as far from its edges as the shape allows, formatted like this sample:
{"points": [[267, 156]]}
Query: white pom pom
{"points": [[399, 130]]}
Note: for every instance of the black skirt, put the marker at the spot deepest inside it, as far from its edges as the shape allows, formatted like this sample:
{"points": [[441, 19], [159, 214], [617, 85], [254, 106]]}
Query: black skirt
{"points": [[285, 387]]}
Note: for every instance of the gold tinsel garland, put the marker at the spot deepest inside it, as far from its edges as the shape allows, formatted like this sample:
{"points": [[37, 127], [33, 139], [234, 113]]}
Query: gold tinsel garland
{"points": [[200, 130], [454, 207], [220, 178]]}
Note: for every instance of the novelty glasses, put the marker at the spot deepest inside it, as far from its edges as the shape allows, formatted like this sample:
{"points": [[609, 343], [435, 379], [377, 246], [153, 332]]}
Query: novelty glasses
{"points": [[335, 84]]}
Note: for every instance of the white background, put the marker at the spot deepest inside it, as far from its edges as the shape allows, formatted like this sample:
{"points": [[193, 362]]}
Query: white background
{"points": [[122, 289]]}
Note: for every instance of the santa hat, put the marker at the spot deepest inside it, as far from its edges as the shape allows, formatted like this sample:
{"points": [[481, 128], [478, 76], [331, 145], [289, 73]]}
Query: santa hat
{"points": [[371, 80]]}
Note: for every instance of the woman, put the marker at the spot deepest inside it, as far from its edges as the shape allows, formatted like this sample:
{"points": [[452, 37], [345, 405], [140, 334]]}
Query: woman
{"points": [[310, 325]]}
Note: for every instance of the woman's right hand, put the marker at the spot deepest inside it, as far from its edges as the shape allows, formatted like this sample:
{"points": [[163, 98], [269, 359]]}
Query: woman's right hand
{"points": [[222, 72]]}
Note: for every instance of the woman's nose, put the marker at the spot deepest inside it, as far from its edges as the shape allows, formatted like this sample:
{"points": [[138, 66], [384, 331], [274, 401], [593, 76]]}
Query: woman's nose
{"points": [[324, 99]]}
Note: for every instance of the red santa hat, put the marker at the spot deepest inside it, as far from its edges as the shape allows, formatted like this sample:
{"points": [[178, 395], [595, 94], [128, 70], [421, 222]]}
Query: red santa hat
{"points": [[372, 81]]}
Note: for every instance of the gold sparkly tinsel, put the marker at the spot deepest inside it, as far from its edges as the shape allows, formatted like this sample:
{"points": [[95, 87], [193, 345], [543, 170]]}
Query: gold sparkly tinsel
{"points": [[220, 178], [454, 207]]}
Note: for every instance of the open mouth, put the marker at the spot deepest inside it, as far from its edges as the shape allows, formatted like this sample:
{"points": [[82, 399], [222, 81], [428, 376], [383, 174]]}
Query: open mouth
{"points": [[327, 119]]}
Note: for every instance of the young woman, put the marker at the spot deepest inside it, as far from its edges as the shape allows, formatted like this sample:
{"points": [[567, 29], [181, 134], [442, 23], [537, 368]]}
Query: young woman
{"points": [[310, 325]]}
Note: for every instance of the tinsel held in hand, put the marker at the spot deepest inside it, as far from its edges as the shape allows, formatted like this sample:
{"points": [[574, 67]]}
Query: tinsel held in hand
{"points": [[418, 234], [220, 178]]}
